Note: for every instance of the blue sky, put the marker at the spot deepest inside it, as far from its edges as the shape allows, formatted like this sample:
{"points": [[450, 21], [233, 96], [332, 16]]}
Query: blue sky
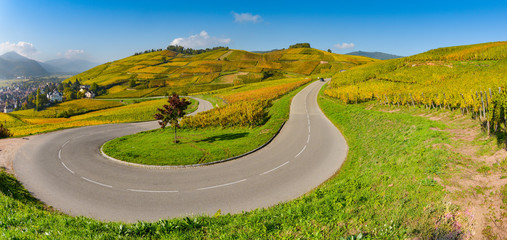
{"points": [[106, 30]]}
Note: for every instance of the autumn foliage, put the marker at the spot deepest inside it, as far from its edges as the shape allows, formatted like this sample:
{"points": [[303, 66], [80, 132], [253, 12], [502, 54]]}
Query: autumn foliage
{"points": [[245, 114], [170, 113], [266, 93]]}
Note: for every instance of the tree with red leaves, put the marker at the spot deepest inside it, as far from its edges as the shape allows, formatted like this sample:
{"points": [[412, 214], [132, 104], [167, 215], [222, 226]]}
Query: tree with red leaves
{"points": [[170, 114]]}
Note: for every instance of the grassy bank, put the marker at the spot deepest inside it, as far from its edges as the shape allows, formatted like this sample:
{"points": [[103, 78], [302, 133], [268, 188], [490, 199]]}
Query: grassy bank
{"points": [[156, 147], [387, 189]]}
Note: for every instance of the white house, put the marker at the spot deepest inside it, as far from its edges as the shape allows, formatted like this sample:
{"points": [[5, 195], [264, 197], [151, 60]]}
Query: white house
{"points": [[55, 96], [84, 88], [8, 109], [89, 94]]}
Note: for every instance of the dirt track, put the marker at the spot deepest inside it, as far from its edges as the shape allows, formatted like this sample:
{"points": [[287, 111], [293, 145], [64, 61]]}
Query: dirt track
{"points": [[8, 148]]}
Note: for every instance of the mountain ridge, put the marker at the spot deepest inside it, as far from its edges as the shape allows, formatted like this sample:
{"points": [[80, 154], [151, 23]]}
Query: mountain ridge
{"points": [[66, 65], [14, 65]]}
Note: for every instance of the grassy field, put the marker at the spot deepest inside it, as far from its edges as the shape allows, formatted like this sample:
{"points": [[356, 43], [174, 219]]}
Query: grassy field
{"points": [[387, 189], [198, 145], [29, 122], [67, 109]]}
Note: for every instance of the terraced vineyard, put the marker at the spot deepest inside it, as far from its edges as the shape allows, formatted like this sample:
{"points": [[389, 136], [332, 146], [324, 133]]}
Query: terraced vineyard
{"points": [[162, 72], [467, 78]]}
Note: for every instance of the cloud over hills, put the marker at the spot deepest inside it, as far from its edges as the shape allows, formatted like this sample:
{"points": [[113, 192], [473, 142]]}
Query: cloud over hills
{"points": [[345, 45], [201, 40], [23, 48]]}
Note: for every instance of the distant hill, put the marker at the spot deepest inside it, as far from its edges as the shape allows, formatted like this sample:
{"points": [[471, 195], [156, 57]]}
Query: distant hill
{"points": [[159, 72], [64, 65], [376, 55], [13, 65]]}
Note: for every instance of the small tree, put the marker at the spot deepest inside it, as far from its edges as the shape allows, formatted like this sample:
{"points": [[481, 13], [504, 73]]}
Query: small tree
{"points": [[4, 132], [37, 101], [132, 83], [170, 113]]}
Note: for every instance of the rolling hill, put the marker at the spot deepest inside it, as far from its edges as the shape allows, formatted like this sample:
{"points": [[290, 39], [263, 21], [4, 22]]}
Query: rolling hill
{"points": [[450, 77], [157, 73]]}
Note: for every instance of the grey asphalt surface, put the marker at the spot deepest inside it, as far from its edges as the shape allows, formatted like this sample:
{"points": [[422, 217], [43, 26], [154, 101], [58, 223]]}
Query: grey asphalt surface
{"points": [[65, 170]]}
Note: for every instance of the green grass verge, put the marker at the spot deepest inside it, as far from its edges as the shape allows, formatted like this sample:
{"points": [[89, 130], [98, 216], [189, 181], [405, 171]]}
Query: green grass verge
{"points": [[385, 190], [196, 146]]}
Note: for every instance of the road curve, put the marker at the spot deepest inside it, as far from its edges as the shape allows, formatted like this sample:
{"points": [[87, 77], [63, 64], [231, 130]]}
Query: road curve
{"points": [[65, 170]]}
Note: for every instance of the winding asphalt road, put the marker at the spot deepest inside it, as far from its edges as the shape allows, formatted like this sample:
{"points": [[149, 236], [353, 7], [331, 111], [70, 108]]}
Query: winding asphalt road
{"points": [[65, 170]]}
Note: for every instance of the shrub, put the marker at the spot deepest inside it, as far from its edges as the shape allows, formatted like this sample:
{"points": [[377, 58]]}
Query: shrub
{"points": [[4, 132]]}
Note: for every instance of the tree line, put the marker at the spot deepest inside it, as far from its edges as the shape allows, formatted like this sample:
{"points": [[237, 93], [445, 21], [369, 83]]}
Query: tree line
{"points": [[183, 50]]}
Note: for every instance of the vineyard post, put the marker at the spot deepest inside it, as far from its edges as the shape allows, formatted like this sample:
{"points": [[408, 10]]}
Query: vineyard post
{"points": [[411, 98], [486, 107], [482, 104], [480, 109], [462, 107], [486, 102]]}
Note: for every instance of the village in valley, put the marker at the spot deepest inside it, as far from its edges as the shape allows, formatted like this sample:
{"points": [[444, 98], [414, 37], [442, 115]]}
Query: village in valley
{"points": [[22, 95]]}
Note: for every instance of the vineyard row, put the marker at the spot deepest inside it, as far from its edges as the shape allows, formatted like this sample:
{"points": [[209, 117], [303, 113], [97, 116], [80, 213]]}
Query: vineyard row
{"points": [[489, 107]]}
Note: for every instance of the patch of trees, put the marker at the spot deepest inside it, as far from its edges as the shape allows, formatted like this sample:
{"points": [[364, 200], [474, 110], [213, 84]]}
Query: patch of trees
{"points": [[148, 51], [272, 74], [36, 100], [72, 90], [300, 45], [190, 51], [180, 49]]}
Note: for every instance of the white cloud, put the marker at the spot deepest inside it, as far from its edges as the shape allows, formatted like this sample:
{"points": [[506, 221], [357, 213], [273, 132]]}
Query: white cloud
{"points": [[344, 45], [246, 17], [71, 53], [201, 40], [23, 48]]}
